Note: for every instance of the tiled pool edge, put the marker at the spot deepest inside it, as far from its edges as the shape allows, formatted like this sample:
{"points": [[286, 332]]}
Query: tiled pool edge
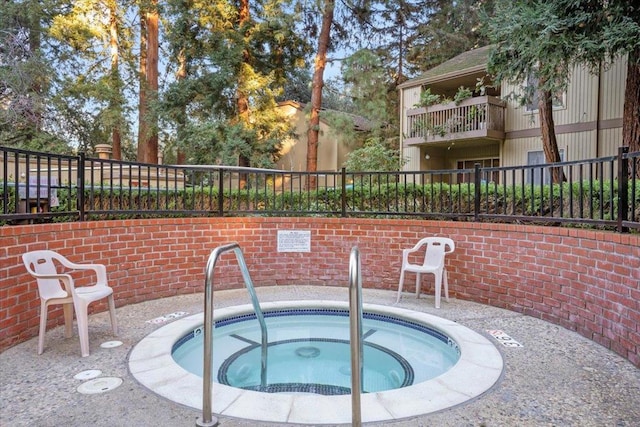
{"points": [[478, 369]]}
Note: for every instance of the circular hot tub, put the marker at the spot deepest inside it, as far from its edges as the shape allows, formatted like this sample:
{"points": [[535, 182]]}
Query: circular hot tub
{"points": [[309, 351], [419, 363]]}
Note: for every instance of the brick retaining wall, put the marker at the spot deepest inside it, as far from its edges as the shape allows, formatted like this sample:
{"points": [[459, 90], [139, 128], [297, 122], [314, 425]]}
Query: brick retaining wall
{"points": [[586, 281]]}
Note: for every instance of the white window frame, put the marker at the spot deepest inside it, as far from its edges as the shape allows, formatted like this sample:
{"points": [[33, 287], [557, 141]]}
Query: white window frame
{"points": [[559, 102], [536, 171]]}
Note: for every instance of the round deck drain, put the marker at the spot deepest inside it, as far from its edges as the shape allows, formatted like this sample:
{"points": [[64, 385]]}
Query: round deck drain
{"points": [[100, 385], [111, 344], [88, 375]]}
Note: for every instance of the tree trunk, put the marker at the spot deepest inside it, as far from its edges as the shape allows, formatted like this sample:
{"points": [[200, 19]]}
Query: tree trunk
{"points": [[631, 114], [242, 103], [316, 92], [181, 121], [152, 81], [116, 148], [547, 128], [142, 92], [148, 136]]}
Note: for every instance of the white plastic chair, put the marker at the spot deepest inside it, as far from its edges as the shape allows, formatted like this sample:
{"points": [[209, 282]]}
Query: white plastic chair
{"points": [[435, 250], [58, 288]]}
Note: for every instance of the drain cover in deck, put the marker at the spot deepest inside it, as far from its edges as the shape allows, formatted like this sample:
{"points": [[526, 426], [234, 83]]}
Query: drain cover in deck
{"points": [[100, 385], [88, 375]]}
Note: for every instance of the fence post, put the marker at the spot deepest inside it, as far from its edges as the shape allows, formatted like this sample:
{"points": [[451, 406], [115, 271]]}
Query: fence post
{"points": [[476, 191], [81, 183], [343, 193], [220, 192], [623, 189]]}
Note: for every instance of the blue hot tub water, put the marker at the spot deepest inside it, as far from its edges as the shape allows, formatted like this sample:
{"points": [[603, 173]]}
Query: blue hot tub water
{"points": [[309, 352]]}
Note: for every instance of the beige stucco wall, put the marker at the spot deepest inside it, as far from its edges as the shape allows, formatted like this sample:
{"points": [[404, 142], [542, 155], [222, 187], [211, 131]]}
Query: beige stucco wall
{"points": [[331, 151]]}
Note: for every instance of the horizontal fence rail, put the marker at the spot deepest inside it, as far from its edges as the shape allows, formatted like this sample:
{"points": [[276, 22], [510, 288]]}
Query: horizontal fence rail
{"points": [[600, 193]]}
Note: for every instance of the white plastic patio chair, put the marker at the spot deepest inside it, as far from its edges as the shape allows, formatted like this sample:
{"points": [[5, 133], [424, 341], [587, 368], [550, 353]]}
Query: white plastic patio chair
{"points": [[435, 249], [59, 288]]}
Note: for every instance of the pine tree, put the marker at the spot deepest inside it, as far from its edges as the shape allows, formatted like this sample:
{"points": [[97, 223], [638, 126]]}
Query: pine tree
{"points": [[449, 28], [235, 59]]}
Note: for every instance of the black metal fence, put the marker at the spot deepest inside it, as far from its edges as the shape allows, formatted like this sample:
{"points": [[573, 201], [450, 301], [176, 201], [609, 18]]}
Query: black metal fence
{"points": [[599, 193]]}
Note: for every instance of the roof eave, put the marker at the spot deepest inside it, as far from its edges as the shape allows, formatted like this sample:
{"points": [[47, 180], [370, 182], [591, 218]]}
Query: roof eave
{"points": [[443, 77]]}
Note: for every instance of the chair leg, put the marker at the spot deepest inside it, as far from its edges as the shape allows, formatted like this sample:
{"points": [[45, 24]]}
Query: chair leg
{"points": [[43, 325], [112, 313], [446, 285], [418, 281], [68, 319], [83, 327], [400, 286], [438, 285]]}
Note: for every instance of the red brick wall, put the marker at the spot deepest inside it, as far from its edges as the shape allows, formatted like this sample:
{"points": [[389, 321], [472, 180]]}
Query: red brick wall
{"points": [[586, 281]]}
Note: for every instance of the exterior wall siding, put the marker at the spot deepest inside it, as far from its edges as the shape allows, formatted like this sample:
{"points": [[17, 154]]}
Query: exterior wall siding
{"points": [[584, 280], [577, 122], [588, 125], [612, 90]]}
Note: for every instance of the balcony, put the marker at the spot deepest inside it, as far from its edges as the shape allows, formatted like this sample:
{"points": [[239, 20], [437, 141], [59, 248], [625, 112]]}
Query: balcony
{"points": [[478, 118]]}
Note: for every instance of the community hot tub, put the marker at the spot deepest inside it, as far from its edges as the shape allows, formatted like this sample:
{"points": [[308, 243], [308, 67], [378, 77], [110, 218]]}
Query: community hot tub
{"points": [[414, 363]]}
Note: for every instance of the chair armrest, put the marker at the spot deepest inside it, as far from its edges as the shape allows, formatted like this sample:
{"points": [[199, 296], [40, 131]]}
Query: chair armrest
{"points": [[407, 252], [66, 279], [99, 269]]}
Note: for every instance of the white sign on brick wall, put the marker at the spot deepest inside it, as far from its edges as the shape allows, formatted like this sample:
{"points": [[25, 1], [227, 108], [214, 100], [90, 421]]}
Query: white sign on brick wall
{"points": [[294, 241]]}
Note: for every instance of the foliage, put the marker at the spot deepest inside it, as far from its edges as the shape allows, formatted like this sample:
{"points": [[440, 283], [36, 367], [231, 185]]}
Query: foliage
{"points": [[449, 29], [462, 94], [528, 38], [544, 40], [374, 156], [222, 63], [372, 92], [370, 194], [428, 99], [26, 78]]}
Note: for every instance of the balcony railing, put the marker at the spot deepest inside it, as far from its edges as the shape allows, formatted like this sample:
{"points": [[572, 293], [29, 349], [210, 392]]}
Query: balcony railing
{"points": [[474, 118]]}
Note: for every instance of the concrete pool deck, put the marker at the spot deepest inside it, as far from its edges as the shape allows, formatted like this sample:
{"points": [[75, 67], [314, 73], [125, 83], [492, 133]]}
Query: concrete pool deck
{"points": [[556, 378]]}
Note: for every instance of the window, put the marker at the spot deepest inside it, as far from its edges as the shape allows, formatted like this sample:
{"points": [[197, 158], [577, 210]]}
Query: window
{"points": [[471, 164], [534, 175], [532, 104]]}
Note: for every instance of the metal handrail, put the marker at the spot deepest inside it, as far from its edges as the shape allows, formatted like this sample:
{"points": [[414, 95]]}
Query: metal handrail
{"points": [[207, 419], [355, 330]]}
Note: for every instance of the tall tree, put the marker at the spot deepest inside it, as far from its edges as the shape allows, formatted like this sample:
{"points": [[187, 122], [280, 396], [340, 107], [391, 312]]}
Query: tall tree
{"points": [[148, 119], [372, 90], [396, 28], [320, 63], [631, 114], [529, 47], [547, 39], [237, 60], [23, 73], [88, 63], [449, 28], [601, 31], [115, 101]]}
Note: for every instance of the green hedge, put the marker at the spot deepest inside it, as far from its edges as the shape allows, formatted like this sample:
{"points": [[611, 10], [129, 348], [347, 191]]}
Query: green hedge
{"points": [[582, 200]]}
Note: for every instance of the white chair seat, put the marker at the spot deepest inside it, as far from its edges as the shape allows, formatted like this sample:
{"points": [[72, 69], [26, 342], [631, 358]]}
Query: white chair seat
{"points": [[59, 288], [435, 249]]}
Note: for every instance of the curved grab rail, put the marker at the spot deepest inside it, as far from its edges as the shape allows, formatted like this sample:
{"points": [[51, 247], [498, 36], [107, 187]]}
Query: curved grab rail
{"points": [[355, 332], [207, 419]]}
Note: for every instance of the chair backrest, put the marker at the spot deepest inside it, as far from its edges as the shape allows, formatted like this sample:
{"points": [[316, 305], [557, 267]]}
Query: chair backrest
{"points": [[436, 249], [42, 262]]}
